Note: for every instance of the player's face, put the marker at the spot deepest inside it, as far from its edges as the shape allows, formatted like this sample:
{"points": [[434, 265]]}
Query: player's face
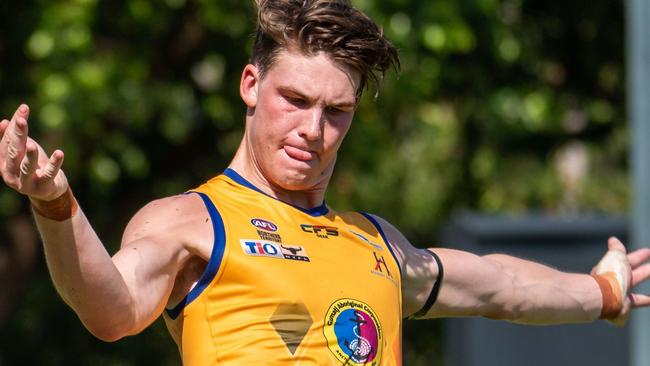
{"points": [[299, 113]]}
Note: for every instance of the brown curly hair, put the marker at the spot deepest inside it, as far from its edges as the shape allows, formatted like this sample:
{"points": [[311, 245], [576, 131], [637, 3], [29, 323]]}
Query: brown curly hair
{"points": [[334, 27]]}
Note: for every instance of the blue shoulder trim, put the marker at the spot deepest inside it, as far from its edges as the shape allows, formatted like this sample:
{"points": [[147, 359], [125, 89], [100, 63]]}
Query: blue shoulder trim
{"points": [[315, 211], [383, 236], [214, 263]]}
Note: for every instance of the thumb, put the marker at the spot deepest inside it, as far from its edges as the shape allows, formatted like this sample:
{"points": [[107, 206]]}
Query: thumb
{"points": [[614, 244]]}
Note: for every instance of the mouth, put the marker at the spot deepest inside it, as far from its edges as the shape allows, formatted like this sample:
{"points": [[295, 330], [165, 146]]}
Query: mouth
{"points": [[300, 154]]}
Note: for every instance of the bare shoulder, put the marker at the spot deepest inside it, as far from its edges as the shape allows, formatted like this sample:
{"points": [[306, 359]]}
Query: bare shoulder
{"points": [[419, 268], [399, 243], [408, 255], [181, 219]]}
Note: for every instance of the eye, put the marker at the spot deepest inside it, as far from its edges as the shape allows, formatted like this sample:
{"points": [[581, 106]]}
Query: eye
{"points": [[297, 101], [334, 110]]}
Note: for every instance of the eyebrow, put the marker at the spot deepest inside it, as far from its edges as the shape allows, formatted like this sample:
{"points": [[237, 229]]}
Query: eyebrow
{"points": [[291, 90]]}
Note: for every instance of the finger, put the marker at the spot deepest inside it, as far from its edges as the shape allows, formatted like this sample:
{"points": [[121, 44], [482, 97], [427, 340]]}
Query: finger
{"points": [[21, 112], [640, 274], [30, 161], [638, 257], [51, 169], [3, 127], [17, 138], [639, 300], [614, 244]]}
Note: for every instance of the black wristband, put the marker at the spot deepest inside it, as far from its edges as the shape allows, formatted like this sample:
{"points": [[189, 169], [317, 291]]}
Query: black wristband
{"points": [[433, 295]]}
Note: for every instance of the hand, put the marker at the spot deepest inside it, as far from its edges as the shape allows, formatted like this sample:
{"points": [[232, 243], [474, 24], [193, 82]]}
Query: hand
{"points": [[629, 270], [24, 165]]}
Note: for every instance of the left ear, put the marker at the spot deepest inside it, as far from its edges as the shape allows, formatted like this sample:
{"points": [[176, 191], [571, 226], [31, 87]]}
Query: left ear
{"points": [[248, 85]]}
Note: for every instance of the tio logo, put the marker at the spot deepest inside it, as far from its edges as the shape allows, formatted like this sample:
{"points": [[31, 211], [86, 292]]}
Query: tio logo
{"points": [[261, 248]]}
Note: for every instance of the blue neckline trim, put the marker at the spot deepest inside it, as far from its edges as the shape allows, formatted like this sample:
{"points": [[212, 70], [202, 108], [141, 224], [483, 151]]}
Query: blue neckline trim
{"points": [[314, 212], [214, 263], [383, 236]]}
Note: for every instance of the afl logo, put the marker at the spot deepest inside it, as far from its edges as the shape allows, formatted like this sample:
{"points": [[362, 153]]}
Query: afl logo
{"points": [[264, 225], [353, 333]]}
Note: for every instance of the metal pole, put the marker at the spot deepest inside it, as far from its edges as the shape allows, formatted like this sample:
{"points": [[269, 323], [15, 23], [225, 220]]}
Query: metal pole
{"points": [[638, 89]]}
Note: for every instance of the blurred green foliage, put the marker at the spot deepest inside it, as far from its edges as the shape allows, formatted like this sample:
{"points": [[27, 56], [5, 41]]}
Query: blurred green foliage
{"points": [[494, 98]]}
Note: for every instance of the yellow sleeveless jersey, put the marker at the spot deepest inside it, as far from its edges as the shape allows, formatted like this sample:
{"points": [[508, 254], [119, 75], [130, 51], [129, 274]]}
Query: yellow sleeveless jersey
{"points": [[287, 286]]}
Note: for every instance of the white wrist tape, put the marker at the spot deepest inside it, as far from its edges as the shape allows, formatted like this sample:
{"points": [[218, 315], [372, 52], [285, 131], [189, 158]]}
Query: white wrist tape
{"points": [[613, 276]]}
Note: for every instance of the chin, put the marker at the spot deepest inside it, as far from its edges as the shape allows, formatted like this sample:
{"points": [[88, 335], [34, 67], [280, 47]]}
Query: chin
{"points": [[296, 181], [295, 184]]}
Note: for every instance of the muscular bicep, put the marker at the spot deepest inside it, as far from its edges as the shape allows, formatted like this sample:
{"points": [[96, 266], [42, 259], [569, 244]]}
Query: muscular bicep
{"points": [[445, 283], [420, 272], [155, 245], [148, 273], [472, 286]]}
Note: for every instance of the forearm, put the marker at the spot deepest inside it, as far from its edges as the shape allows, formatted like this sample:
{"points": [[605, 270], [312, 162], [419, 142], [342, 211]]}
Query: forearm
{"points": [[85, 275], [542, 295], [82, 271]]}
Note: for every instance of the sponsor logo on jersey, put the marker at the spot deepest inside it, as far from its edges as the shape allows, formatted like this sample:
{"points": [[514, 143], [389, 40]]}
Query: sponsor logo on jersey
{"points": [[265, 248], [261, 248], [264, 225], [353, 333], [380, 264], [380, 268], [376, 246], [265, 235], [320, 231], [294, 252]]}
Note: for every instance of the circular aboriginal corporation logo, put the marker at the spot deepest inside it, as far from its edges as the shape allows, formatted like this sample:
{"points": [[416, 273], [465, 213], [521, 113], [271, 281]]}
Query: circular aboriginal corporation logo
{"points": [[353, 333]]}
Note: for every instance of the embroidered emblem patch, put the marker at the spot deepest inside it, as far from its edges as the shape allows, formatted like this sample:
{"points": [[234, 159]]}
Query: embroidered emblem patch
{"points": [[353, 333]]}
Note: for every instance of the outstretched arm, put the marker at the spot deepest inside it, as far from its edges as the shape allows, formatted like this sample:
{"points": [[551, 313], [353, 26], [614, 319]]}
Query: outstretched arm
{"points": [[113, 297], [504, 287]]}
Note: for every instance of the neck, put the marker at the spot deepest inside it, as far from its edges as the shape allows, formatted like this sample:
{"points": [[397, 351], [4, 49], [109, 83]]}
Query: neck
{"points": [[305, 198]]}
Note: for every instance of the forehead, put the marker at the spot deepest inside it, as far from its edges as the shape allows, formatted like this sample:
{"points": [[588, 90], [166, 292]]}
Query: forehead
{"points": [[313, 74]]}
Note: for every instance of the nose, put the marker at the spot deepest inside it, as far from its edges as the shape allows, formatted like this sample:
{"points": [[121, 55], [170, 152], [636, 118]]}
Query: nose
{"points": [[312, 128]]}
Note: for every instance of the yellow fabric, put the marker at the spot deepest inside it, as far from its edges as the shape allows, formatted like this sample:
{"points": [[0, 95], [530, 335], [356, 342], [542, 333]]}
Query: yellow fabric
{"points": [[342, 305]]}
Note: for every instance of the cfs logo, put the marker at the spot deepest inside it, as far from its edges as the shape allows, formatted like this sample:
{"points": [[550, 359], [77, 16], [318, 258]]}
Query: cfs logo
{"points": [[320, 231], [264, 225], [263, 248]]}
